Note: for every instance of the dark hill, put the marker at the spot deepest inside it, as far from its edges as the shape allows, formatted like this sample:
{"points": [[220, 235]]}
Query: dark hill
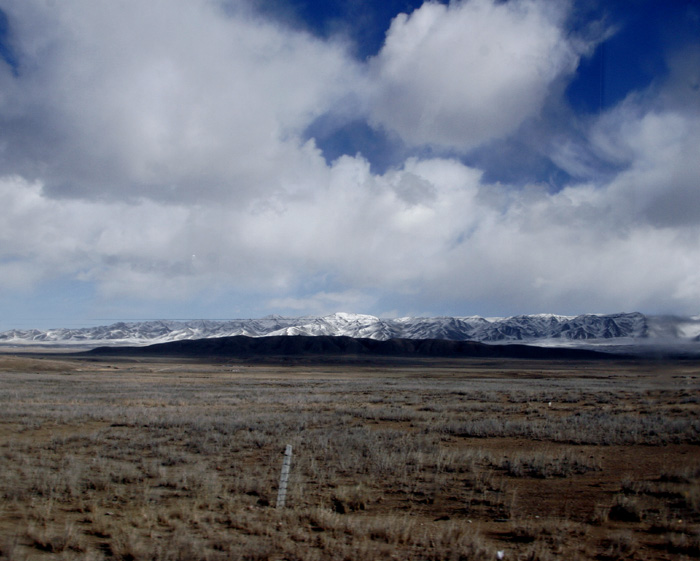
{"points": [[340, 346]]}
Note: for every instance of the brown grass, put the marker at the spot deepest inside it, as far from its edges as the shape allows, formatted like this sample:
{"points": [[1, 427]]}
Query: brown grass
{"points": [[172, 460]]}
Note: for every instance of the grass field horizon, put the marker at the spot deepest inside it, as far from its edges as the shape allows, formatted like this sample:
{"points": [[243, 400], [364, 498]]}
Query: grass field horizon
{"points": [[156, 458]]}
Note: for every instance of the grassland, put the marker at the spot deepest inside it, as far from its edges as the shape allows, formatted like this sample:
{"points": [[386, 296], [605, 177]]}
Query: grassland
{"points": [[434, 460]]}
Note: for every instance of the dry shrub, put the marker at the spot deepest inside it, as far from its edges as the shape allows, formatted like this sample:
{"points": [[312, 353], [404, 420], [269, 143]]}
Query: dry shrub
{"points": [[682, 544], [536, 552], [619, 545], [691, 499], [600, 516], [51, 540], [625, 509], [184, 545], [351, 498], [454, 542], [524, 531], [547, 464], [684, 474], [594, 427], [547, 539]]}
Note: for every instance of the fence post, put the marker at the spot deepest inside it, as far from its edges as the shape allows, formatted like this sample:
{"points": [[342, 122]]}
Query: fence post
{"points": [[284, 477]]}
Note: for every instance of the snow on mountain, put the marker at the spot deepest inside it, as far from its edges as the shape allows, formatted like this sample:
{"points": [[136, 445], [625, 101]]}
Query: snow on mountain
{"points": [[548, 329]]}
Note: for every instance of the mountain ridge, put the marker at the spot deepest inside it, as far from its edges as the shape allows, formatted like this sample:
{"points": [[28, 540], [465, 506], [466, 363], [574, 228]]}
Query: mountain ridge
{"points": [[543, 329]]}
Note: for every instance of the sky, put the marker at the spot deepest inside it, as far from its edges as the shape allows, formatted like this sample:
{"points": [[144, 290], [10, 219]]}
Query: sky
{"points": [[182, 159]]}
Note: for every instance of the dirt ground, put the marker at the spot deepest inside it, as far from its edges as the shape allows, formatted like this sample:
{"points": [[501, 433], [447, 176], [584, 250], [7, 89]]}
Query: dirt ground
{"points": [[165, 459]]}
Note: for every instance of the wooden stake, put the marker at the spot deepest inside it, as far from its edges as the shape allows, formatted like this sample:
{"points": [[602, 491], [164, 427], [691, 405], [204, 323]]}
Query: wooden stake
{"points": [[284, 477]]}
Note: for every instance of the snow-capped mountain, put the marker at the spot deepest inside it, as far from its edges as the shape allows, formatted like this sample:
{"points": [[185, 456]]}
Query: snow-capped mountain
{"points": [[541, 329]]}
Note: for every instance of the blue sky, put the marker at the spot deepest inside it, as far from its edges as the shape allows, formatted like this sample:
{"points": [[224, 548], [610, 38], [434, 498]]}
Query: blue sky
{"points": [[221, 159]]}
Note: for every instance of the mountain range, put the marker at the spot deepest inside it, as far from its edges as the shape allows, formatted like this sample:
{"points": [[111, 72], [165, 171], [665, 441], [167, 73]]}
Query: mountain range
{"points": [[588, 330]]}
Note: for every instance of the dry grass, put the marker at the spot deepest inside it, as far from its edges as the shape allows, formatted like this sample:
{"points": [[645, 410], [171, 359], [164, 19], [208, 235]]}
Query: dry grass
{"points": [[161, 460]]}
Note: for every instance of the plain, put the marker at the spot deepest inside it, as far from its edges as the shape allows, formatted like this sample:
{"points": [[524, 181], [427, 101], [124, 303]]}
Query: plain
{"points": [[136, 459]]}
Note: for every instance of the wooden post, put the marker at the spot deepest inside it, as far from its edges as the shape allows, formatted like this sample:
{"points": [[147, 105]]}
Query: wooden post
{"points": [[284, 477]]}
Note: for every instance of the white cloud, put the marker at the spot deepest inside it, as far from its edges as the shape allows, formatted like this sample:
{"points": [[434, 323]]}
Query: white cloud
{"points": [[323, 303], [156, 153], [431, 232], [463, 74], [660, 184], [169, 101]]}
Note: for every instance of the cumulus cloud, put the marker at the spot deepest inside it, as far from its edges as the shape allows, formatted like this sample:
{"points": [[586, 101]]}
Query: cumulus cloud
{"points": [[463, 74], [161, 100], [431, 232], [660, 186], [158, 153]]}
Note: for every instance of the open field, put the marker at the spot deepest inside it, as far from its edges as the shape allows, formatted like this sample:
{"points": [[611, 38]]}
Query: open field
{"points": [[438, 460]]}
